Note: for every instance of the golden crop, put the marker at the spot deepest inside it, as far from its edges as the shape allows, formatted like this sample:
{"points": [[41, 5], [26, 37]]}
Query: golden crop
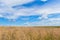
{"points": [[29, 33]]}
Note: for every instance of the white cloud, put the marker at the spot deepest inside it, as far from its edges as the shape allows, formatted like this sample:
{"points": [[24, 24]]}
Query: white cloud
{"points": [[6, 7], [43, 23], [52, 19], [44, 10], [14, 2]]}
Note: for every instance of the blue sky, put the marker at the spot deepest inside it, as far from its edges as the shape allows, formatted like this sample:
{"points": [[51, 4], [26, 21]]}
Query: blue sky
{"points": [[29, 12]]}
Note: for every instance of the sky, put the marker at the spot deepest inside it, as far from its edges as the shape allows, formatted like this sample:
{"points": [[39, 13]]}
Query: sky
{"points": [[29, 12]]}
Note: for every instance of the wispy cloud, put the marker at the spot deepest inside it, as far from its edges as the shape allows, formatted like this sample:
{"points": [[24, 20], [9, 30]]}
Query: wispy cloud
{"points": [[45, 9], [50, 7], [14, 14], [14, 2]]}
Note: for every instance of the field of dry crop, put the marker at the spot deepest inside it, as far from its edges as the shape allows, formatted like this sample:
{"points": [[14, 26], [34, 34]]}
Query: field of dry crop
{"points": [[29, 33]]}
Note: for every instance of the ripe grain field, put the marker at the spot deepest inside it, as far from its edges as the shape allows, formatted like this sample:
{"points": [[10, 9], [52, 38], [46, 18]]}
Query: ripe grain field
{"points": [[29, 33]]}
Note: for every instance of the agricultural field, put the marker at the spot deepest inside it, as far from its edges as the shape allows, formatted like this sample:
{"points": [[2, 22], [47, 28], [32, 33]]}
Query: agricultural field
{"points": [[29, 33]]}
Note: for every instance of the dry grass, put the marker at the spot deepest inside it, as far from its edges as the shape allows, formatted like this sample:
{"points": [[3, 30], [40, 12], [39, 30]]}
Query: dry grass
{"points": [[29, 33]]}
